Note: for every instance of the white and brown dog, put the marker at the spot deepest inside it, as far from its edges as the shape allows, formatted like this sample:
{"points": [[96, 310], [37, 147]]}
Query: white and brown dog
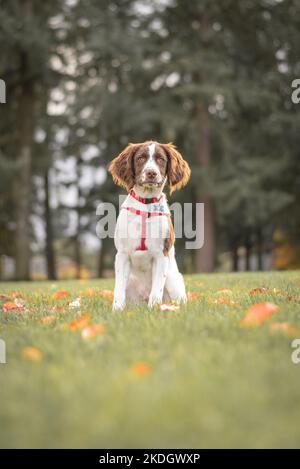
{"points": [[145, 264]]}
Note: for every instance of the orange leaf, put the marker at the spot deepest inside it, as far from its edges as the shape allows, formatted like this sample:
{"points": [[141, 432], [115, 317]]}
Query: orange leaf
{"points": [[255, 291], [106, 294], [225, 300], [193, 296], [259, 313], [92, 331], [3, 296], [58, 308], [140, 368], [225, 291], [48, 319], [285, 328], [60, 294], [16, 294], [13, 306], [32, 353], [79, 324]]}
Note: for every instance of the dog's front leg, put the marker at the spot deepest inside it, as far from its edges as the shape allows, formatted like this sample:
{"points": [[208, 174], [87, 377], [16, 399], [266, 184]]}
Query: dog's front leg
{"points": [[159, 275], [122, 267]]}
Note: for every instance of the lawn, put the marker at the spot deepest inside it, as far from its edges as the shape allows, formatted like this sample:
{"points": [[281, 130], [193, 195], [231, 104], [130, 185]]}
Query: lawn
{"points": [[192, 377]]}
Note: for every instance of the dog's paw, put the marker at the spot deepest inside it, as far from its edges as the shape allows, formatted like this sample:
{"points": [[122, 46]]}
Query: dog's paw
{"points": [[154, 300], [118, 305]]}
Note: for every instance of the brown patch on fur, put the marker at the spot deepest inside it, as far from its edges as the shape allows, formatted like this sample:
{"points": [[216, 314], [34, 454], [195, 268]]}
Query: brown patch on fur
{"points": [[122, 167], [178, 170], [170, 241]]}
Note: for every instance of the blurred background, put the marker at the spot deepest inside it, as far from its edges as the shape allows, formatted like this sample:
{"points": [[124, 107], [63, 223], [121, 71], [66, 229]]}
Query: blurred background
{"points": [[85, 77]]}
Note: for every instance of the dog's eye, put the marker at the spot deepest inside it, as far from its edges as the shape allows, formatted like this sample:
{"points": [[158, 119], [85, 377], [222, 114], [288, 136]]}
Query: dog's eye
{"points": [[141, 157], [160, 158]]}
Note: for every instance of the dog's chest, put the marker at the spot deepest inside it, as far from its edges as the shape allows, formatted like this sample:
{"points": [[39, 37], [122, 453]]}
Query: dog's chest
{"points": [[131, 228]]}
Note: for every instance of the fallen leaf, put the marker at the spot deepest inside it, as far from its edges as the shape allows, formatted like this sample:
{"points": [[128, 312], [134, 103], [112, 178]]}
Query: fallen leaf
{"points": [[168, 307], [60, 294], [193, 296], [140, 368], [256, 291], [75, 304], [58, 308], [259, 313], [225, 300], [80, 323], [106, 293], [49, 319], [225, 291], [14, 306], [32, 353], [92, 331], [285, 328], [3, 296], [16, 294]]}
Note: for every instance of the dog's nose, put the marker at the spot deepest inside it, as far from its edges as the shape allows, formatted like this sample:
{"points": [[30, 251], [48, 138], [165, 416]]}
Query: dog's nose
{"points": [[151, 174]]}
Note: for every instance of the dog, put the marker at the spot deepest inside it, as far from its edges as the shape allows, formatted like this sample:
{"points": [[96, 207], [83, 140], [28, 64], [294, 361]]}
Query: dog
{"points": [[145, 264]]}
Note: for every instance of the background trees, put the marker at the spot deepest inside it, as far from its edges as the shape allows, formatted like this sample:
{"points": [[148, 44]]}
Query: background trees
{"points": [[84, 78]]}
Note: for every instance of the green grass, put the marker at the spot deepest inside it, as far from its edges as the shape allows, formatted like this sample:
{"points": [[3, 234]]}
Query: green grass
{"points": [[212, 383]]}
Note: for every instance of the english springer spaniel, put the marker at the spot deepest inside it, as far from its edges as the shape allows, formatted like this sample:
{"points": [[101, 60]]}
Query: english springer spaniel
{"points": [[145, 264]]}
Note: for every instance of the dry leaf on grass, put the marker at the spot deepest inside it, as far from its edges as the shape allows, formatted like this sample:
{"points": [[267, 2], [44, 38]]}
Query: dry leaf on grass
{"points": [[256, 291], [225, 291], [224, 300], [49, 319], [80, 323], [32, 353], [3, 296], [60, 294], [92, 331], [14, 306], [193, 296], [285, 328], [259, 313], [141, 368], [106, 294]]}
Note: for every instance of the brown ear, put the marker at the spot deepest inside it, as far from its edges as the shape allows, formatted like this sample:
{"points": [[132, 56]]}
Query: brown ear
{"points": [[178, 171], [121, 168]]}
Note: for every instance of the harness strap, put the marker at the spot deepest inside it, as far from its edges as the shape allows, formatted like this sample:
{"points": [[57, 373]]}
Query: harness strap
{"points": [[144, 215]]}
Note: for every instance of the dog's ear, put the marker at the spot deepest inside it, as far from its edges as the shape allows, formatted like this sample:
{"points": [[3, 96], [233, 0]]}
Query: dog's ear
{"points": [[178, 170], [122, 167]]}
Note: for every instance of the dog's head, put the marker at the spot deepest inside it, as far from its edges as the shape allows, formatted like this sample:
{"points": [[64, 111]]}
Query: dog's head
{"points": [[151, 165]]}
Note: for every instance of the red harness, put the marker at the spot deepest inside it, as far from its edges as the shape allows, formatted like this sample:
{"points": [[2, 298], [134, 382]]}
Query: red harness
{"points": [[145, 215]]}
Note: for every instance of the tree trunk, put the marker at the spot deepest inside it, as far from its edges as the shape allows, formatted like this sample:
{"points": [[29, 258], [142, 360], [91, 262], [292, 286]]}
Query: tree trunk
{"points": [[50, 256], [205, 257], [235, 259], [22, 184], [259, 250], [247, 256], [77, 237], [100, 266]]}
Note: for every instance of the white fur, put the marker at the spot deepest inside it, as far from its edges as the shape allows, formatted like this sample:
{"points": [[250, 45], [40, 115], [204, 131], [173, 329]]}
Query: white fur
{"points": [[151, 165], [145, 275]]}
